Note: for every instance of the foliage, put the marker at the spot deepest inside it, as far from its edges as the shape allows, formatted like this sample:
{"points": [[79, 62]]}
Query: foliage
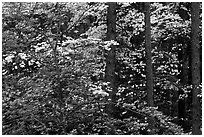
{"points": [[53, 69]]}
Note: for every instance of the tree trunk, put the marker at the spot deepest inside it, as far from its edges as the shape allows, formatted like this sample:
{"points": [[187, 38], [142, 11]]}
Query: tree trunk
{"points": [[110, 59], [196, 69], [149, 73]]}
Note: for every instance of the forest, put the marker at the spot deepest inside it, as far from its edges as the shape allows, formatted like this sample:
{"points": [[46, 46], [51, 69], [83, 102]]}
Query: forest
{"points": [[101, 68]]}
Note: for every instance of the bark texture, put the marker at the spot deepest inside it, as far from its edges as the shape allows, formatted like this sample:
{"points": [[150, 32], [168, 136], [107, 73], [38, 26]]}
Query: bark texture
{"points": [[196, 78], [110, 59], [149, 73]]}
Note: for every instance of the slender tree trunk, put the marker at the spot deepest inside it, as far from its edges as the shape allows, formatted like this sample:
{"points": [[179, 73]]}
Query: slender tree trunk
{"points": [[110, 59], [196, 78], [149, 73]]}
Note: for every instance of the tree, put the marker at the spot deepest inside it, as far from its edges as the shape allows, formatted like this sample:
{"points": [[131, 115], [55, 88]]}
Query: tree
{"points": [[196, 78], [149, 73], [110, 59]]}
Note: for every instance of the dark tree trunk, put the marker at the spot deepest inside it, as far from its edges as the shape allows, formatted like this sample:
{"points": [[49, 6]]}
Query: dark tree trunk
{"points": [[149, 73], [196, 78], [110, 59]]}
